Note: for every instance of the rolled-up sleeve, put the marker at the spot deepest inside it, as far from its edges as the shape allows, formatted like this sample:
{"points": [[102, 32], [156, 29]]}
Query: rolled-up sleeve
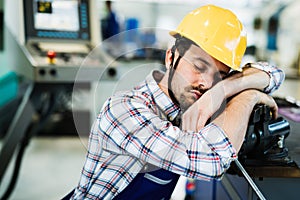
{"points": [[211, 152], [219, 143], [277, 76]]}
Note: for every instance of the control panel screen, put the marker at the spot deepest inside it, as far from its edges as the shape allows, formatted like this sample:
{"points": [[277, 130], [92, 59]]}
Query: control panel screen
{"points": [[57, 19], [56, 15]]}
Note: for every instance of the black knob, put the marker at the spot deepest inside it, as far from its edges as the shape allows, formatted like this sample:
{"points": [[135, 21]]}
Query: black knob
{"points": [[112, 72], [53, 72]]}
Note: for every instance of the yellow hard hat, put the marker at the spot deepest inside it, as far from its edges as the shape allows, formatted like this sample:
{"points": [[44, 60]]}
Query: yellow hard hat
{"points": [[217, 31]]}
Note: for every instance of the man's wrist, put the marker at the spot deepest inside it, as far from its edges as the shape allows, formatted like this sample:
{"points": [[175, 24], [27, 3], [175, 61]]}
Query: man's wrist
{"points": [[265, 70], [276, 75], [233, 86]]}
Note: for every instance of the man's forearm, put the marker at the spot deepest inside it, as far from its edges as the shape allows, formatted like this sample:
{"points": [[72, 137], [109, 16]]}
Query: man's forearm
{"points": [[250, 78], [234, 119]]}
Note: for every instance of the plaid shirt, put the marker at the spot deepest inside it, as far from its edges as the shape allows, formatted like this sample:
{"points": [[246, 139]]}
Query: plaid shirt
{"points": [[134, 128], [276, 75]]}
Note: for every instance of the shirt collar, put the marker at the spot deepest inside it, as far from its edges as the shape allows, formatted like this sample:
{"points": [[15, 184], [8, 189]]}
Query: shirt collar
{"points": [[163, 102]]}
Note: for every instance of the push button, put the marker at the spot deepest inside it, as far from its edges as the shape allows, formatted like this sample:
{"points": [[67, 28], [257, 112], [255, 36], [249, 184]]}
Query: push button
{"points": [[51, 56]]}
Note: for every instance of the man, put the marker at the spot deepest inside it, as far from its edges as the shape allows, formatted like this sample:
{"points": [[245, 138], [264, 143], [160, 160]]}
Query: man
{"points": [[176, 123], [110, 24]]}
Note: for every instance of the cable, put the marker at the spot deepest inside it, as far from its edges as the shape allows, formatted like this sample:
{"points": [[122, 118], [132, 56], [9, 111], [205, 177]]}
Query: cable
{"points": [[16, 170]]}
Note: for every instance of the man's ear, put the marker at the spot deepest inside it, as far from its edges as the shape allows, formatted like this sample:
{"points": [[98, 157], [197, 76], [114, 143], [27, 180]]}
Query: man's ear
{"points": [[168, 58]]}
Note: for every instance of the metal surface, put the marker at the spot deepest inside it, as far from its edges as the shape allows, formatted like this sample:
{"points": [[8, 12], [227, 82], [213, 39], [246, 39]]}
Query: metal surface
{"points": [[16, 131], [292, 143]]}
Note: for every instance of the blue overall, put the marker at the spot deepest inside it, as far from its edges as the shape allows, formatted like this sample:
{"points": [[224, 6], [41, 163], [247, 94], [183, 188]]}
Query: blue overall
{"points": [[152, 185]]}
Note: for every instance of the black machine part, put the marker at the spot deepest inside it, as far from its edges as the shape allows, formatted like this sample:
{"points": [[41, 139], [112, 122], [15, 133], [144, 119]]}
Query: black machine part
{"points": [[265, 138]]}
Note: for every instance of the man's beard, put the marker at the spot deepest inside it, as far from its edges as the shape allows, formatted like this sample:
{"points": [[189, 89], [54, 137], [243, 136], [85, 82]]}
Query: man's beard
{"points": [[185, 103], [186, 98]]}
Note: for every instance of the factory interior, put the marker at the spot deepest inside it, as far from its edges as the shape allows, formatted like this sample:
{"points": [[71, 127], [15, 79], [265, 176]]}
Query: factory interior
{"points": [[60, 61]]}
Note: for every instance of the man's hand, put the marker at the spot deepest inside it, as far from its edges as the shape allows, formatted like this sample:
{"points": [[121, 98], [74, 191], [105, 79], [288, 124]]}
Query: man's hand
{"points": [[269, 101], [209, 103]]}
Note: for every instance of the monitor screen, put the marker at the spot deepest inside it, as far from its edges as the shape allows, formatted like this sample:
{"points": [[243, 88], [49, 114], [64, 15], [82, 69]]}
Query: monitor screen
{"points": [[59, 15], [57, 19]]}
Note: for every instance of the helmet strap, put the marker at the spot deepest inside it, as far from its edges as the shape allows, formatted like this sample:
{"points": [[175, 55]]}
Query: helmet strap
{"points": [[171, 74]]}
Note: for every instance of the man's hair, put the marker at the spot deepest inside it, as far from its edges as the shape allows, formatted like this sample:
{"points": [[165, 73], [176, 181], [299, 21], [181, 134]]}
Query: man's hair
{"points": [[182, 44]]}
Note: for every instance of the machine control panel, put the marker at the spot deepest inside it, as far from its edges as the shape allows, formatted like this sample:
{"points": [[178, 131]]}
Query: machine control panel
{"points": [[59, 37], [53, 62]]}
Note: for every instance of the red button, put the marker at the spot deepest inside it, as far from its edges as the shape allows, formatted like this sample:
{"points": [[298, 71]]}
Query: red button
{"points": [[51, 54]]}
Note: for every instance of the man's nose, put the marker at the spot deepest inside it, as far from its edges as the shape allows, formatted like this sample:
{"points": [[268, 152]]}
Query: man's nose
{"points": [[205, 82]]}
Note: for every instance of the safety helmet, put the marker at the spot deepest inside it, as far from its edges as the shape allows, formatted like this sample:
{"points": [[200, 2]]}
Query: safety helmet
{"points": [[217, 31]]}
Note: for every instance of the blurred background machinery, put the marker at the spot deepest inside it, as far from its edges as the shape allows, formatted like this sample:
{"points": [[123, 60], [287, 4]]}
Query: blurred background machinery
{"points": [[47, 42]]}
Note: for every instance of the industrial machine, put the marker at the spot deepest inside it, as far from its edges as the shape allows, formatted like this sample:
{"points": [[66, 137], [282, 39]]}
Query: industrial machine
{"points": [[264, 143], [48, 46], [55, 37]]}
